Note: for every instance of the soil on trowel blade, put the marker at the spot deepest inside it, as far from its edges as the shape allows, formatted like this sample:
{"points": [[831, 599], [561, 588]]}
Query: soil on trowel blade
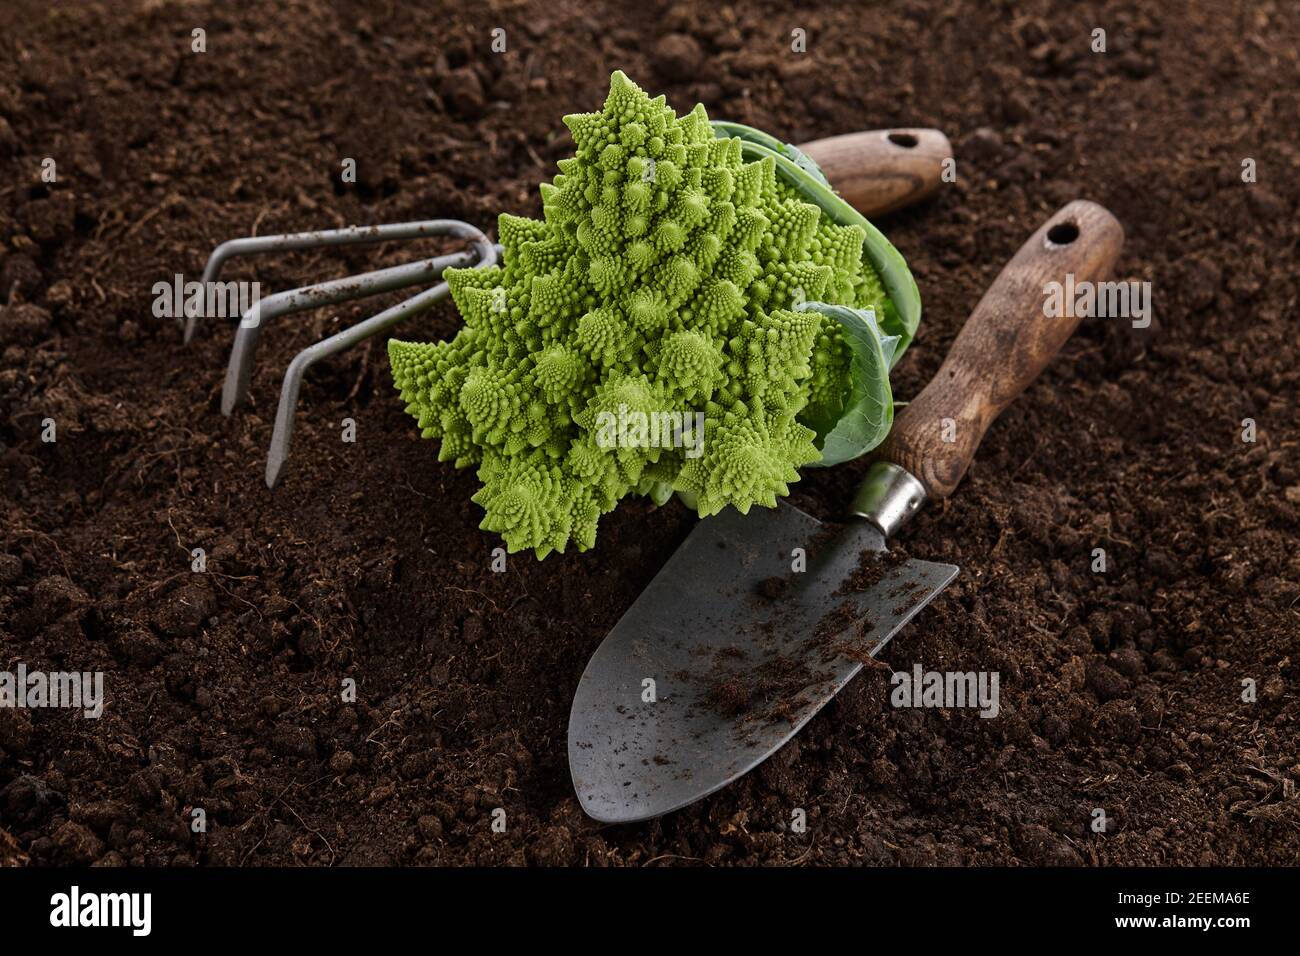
{"points": [[1162, 688]]}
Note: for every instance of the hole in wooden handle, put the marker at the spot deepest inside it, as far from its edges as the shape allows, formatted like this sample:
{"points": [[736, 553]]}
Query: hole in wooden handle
{"points": [[905, 140], [1063, 233]]}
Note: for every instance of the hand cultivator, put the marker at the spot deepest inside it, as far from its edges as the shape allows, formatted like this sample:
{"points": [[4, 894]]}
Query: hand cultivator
{"points": [[239, 370], [875, 171]]}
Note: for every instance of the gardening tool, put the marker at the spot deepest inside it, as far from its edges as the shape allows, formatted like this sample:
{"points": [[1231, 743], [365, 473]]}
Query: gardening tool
{"points": [[248, 334], [758, 620], [879, 171]]}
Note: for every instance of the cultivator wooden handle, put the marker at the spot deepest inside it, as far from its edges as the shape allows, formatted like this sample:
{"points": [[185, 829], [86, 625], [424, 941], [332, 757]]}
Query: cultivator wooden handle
{"points": [[878, 171], [1008, 339]]}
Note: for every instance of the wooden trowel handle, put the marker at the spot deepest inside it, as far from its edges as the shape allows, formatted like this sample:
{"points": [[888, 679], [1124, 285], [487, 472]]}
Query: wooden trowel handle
{"points": [[1009, 338], [881, 170]]}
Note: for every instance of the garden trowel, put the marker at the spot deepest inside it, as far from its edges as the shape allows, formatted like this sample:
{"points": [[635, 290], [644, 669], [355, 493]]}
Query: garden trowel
{"points": [[758, 620]]}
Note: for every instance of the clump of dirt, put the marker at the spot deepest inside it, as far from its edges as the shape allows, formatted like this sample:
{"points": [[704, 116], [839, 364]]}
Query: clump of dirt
{"points": [[730, 697], [736, 686], [1121, 688], [873, 567]]}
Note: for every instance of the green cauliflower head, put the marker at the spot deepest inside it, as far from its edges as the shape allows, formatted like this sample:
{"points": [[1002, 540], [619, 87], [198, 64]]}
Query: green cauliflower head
{"points": [[660, 284]]}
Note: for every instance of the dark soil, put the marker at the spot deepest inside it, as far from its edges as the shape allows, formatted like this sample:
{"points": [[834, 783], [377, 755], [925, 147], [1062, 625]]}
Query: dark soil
{"points": [[1120, 690], [730, 697]]}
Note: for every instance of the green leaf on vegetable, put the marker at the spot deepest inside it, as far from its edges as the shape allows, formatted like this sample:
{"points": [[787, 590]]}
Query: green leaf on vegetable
{"points": [[902, 314], [869, 409]]}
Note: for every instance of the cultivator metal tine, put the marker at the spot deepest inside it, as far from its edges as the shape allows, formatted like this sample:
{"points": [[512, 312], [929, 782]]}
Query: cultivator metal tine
{"points": [[244, 351], [351, 235], [284, 414], [483, 254]]}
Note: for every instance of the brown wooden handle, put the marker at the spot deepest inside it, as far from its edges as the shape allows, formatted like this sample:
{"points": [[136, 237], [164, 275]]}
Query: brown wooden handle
{"points": [[881, 170], [1006, 342]]}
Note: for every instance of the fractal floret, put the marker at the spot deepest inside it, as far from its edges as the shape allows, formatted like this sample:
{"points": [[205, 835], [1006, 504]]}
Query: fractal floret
{"points": [[646, 335]]}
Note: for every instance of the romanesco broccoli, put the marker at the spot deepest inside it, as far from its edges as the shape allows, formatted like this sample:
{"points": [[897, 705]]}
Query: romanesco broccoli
{"points": [[663, 278]]}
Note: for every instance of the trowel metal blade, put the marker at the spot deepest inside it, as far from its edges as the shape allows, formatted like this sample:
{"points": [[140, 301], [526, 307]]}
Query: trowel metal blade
{"points": [[729, 651]]}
